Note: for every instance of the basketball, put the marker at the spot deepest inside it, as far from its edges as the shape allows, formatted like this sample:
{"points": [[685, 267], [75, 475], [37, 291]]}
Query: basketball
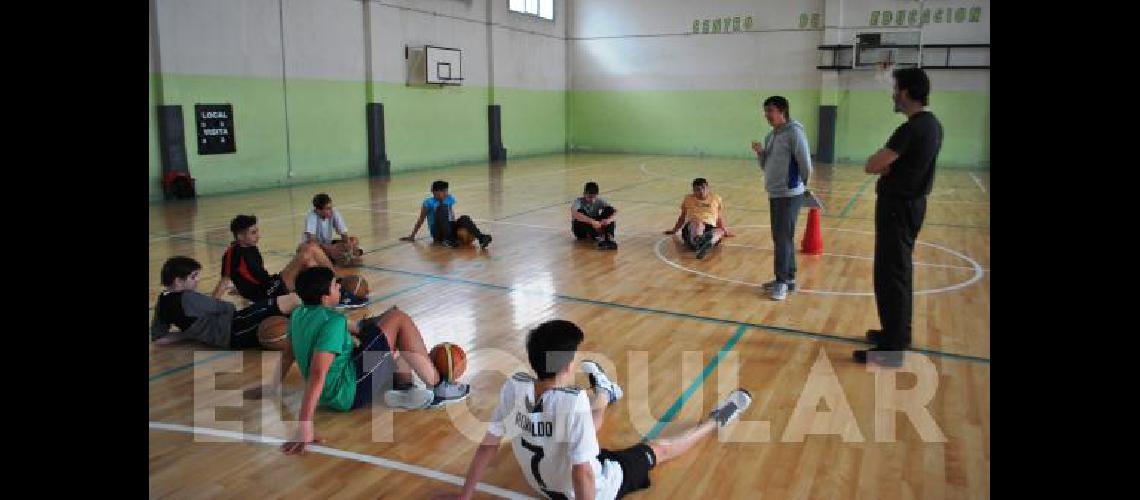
{"points": [[355, 284], [464, 236], [273, 332], [449, 359]]}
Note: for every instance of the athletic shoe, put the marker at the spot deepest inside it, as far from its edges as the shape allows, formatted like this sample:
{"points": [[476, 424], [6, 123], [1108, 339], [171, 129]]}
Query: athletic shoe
{"points": [[880, 356], [451, 243], [779, 291], [599, 380], [767, 287], [732, 406], [448, 393], [411, 398], [607, 245], [484, 240]]}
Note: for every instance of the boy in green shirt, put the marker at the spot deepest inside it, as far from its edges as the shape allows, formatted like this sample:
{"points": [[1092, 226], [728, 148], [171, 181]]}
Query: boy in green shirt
{"points": [[339, 376]]}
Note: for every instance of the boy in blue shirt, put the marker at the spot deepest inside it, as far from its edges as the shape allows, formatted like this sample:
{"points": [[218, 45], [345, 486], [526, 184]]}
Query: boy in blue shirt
{"points": [[439, 210]]}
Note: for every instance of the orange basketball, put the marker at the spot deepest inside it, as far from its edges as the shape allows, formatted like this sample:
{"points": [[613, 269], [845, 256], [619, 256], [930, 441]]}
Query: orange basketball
{"points": [[464, 237], [273, 332], [355, 284], [450, 360]]}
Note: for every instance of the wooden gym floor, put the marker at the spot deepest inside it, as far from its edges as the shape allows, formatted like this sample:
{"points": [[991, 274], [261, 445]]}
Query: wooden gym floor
{"points": [[678, 333]]}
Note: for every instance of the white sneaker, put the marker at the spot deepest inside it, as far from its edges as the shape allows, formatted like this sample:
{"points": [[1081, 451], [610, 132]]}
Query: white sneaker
{"points": [[732, 406], [408, 399], [448, 393], [599, 380], [779, 291], [767, 287]]}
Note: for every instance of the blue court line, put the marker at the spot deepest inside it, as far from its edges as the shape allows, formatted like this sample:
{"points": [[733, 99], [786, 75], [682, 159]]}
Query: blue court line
{"points": [[570, 298], [771, 328], [856, 196], [402, 291], [165, 373], [177, 369], [684, 397]]}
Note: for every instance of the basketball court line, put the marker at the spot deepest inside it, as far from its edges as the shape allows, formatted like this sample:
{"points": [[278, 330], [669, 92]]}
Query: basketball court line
{"points": [[855, 198], [697, 383], [978, 182], [368, 202], [172, 371], [385, 463], [570, 298], [824, 214], [641, 234]]}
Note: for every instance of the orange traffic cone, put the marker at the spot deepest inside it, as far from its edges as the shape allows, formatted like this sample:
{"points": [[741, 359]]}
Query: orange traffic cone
{"points": [[813, 240]]}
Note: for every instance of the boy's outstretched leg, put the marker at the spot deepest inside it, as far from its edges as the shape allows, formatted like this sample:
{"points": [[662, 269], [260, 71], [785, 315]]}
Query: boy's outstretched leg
{"points": [[725, 413]]}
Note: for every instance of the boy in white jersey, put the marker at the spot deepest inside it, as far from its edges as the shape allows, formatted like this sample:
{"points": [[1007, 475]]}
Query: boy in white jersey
{"points": [[553, 426]]}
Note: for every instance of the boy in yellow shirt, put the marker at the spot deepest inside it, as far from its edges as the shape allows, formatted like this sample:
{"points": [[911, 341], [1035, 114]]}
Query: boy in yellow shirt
{"points": [[702, 214]]}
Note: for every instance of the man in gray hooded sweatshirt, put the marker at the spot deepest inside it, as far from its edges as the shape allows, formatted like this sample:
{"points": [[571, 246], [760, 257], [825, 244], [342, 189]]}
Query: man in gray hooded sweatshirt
{"points": [[785, 158]]}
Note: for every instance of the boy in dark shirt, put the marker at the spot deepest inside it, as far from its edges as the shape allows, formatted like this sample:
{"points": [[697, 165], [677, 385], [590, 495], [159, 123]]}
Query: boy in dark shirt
{"points": [[200, 317]]}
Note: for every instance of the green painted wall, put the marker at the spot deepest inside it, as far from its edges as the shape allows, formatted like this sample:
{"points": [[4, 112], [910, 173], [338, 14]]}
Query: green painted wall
{"points": [[717, 123], [426, 127], [259, 126], [534, 121], [721, 123], [867, 118], [431, 127]]}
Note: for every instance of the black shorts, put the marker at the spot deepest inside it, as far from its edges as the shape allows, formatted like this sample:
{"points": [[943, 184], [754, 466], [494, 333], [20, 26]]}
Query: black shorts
{"points": [[243, 327], [276, 287], [373, 362], [685, 235], [636, 462], [251, 292]]}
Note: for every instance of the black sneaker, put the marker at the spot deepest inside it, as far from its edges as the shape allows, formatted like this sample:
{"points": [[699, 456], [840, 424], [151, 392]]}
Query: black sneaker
{"points": [[880, 357], [611, 245], [484, 240], [451, 243]]}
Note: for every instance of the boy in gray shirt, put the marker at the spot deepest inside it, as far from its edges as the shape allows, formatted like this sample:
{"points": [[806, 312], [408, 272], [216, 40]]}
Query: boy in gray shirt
{"points": [[206, 319], [592, 218]]}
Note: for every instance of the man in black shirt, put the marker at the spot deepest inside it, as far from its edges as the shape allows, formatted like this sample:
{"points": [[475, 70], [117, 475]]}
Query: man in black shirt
{"points": [[906, 167]]}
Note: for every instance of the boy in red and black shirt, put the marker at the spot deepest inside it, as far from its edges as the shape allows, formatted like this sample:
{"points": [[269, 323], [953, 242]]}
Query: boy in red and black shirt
{"points": [[243, 266]]}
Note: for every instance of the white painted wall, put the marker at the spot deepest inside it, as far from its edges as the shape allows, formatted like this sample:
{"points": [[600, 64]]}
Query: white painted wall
{"points": [[648, 44], [325, 39], [220, 37]]}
